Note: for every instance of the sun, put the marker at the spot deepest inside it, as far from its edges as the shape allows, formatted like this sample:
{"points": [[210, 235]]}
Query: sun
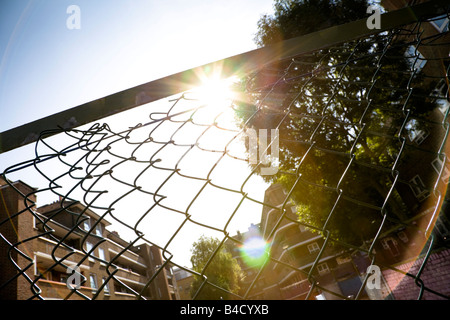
{"points": [[214, 98], [215, 91]]}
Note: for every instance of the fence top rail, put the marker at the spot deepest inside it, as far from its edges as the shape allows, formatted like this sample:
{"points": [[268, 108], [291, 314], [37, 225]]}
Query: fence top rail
{"points": [[236, 65]]}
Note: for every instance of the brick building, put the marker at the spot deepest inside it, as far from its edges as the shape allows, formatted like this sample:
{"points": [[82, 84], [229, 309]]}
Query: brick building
{"points": [[50, 242], [339, 273], [401, 248], [427, 175], [294, 250], [184, 282]]}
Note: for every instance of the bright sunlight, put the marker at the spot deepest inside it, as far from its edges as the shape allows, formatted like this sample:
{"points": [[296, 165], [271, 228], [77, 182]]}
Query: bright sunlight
{"points": [[215, 93]]}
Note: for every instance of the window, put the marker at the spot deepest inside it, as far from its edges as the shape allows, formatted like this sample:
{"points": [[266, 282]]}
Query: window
{"points": [[418, 188], [392, 245], [443, 226], [443, 106], [87, 224], [323, 268], [106, 286], [415, 58], [437, 165], [101, 254], [93, 280], [98, 230], [416, 134], [420, 136], [89, 247], [441, 23], [440, 89], [403, 236], [48, 276], [440, 92], [119, 288], [63, 278], [313, 247]]}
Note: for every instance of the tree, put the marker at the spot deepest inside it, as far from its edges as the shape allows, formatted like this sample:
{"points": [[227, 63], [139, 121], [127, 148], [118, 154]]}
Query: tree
{"points": [[331, 103], [218, 266], [293, 18]]}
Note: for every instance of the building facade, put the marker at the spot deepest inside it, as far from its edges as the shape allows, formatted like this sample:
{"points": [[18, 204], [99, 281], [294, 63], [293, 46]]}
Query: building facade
{"points": [[65, 244], [184, 282], [295, 262], [423, 177]]}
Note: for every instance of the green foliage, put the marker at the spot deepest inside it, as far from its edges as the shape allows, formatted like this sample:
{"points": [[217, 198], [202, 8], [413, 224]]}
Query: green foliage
{"points": [[218, 266], [293, 18], [339, 117]]}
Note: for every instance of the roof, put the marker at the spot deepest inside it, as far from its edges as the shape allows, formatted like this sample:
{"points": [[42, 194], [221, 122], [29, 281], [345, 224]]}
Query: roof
{"points": [[66, 204]]}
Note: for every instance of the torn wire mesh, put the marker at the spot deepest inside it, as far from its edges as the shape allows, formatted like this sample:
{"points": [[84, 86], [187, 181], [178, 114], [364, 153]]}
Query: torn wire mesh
{"points": [[337, 156]]}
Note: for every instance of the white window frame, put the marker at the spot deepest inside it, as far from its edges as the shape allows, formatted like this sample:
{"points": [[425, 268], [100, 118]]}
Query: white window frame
{"points": [[93, 281], [443, 106], [106, 286], [440, 87], [313, 247], [444, 25], [99, 230], [420, 136], [87, 224], [418, 188], [437, 165], [323, 268], [385, 243], [102, 253], [417, 59], [89, 247], [416, 135], [403, 236]]}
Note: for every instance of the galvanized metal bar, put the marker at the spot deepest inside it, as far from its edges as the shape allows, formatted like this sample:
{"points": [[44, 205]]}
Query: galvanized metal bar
{"points": [[235, 65]]}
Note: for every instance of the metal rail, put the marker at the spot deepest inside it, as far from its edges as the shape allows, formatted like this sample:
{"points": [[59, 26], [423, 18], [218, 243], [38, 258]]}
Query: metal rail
{"points": [[185, 80]]}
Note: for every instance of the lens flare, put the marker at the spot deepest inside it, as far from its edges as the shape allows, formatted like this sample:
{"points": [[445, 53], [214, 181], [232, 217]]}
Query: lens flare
{"points": [[255, 251], [215, 92]]}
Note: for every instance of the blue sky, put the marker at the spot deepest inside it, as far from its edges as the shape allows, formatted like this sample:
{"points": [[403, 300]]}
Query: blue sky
{"points": [[46, 67]]}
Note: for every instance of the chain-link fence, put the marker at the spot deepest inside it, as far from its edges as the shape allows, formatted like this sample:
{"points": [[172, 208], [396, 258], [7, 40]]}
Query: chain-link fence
{"points": [[334, 159]]}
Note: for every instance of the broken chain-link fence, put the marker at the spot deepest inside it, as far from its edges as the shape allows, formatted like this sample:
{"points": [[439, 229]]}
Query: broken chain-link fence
{"points": [[337, 155]]}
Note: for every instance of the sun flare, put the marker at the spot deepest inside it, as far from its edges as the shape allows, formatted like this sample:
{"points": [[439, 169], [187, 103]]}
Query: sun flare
{"points": [[215, 92], [214, 98], [254, 251]]}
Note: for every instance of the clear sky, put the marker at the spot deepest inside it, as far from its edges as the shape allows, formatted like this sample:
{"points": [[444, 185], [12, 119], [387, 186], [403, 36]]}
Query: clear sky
{"points": [[46, 67]]}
